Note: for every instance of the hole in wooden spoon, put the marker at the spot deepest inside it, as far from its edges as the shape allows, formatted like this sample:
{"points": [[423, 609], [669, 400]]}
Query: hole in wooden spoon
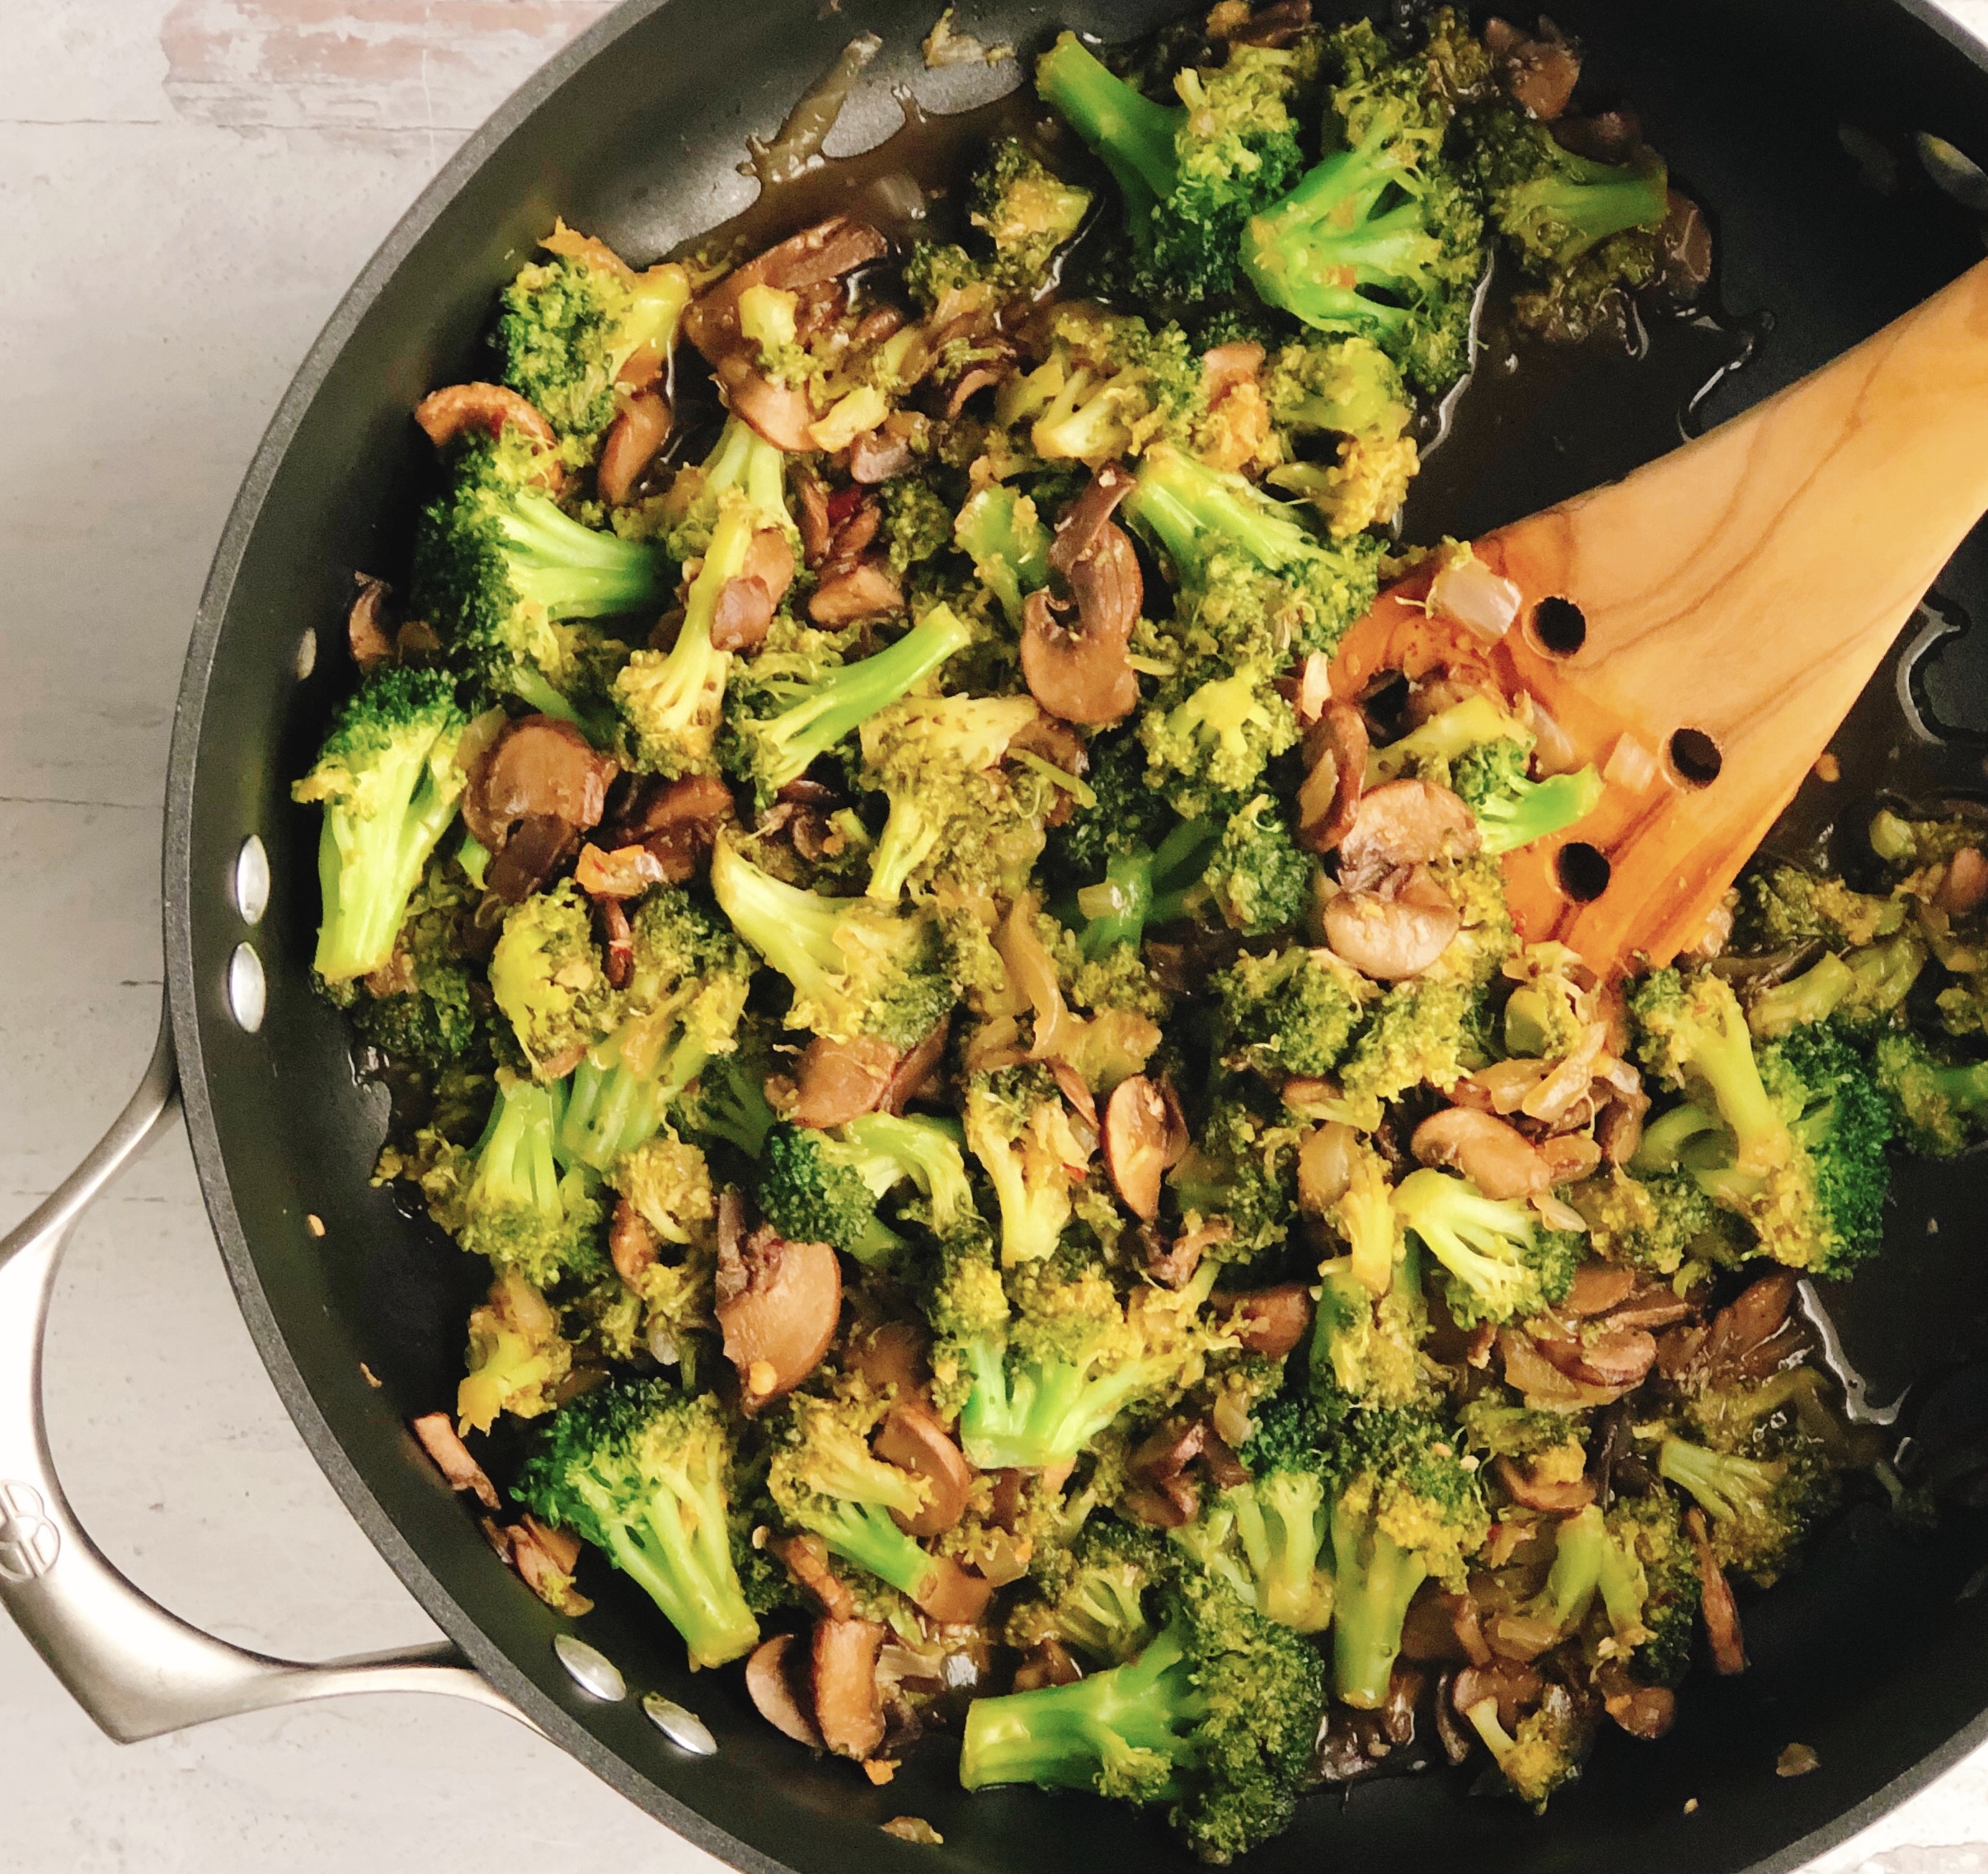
{"points": [[1560, 625], [1695, 756], [1583, 871]]}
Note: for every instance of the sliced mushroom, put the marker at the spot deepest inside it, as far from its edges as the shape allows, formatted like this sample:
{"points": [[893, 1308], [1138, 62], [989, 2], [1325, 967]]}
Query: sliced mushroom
{"points": [[1615, 1357], [1135, 1137], [633, 1245], [1513, 1684], [617, 942], [539, 844], [778, 1326], [892, 1358], [841, 1080], [876, 456], [1388, 939], [740, 618], [1496, 1157], [811, 516], [676, 822], [1964, 885], [1647, 1711], [545, 1559], [1716, 1605], [813, 257], [1597, 1287], [780, 413], [1404, 822], [365, 623], [538, 767], [1080, 524], [461, 408], [1540, 74], [913, 1078], [1270, 1322], [806, 1557], [951, 1596], [1046, 1663], [868, 589], [769, 558], [849, 1713], [1553, 1496], [1336, 765], [1170, 1265], [911, 1439], [630, 446], [440, 1440], [769, 1680]]}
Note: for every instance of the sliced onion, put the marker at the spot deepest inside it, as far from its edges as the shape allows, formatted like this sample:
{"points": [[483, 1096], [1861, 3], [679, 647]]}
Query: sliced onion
{"points": [[1629, 765], [1480, 600]]}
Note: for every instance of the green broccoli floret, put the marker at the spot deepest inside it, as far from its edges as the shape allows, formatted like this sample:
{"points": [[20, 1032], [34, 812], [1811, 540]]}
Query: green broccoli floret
{"points": [[423, 1008], [1108, 384], [789, 722], [856, 967], [1191, 174], [548, 981], [505, 1199], [1125, 814], [1097, 1597], [1407, 1508], [645, 1472], [1019, 1128], [1349, 389], [966, 806], [1659, 1222], [1654, 1567], [1291, 1012], [1909, 846], [824, 1478], [1856, 992], [1584, 230], [1257, 878], [1501, 1262], [1382, 239], [685, 995], [1000, 532], [498, 570], [1241, 1171], [1940, 1106], [1547, 1750], [389, 781], [1783, 907], [1421, 1032], [728, 1099], [1762, 1508], [1217, 1718], [1265, 1537], [1026, 212], [824, 1186], [1692, 1035], [1142, 886], [1368, 1345], [516, 1356], [1512, 811]]}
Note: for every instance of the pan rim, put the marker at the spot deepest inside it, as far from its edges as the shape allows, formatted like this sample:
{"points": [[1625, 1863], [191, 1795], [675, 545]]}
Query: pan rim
{"points": [[190, 1002]]}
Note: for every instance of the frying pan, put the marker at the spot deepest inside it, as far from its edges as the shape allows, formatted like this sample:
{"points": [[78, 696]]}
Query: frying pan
{"points": [[1796, 123]]}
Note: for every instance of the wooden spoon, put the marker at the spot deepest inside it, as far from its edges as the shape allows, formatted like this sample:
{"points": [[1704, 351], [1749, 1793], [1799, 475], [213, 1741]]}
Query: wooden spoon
{"points": [[1699, 629]]}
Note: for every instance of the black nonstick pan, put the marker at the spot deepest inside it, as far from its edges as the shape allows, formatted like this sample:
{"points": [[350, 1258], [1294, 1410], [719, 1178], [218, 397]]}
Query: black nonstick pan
{"points": [[1825, 137]]}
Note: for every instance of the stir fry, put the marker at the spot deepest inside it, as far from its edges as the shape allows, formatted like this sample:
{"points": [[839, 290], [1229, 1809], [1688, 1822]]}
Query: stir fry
{"points": [[1032, 1187]]}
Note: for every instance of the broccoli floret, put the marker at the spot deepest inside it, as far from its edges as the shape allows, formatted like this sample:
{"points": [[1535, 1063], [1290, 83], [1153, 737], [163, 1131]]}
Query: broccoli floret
{"points": [[1784, 906], [1240, 1173], [1548, 1749], [516, 1359], [1265, 1537], [432, 1025], [505, 1200], [1939, 1106], [824, 1478], [1501, 1262], [1142, 886], [1653, 1567], [1856, 992], [573, 327], [824, 1186], [499, 567], [1407, 1508], [1257, 878], [1191, 174], [1108, 384], [965, 806], [856, 967], [1368, 1345], [1000, 532], [1692, 1037], [1909, 846], [1019, 1128], [645, 1471], [728, 1099], [1421, 1032], [548, 981], [1382, 239], [1217, 1718], [1349, 389], [1292, 1011], [1026, 212], [389, 781], [788, 722], [1583, 230], [1097, 1602], [685, 995], [1124, 815], [1512, 811], [1762, 1508], [1659, 1222]]}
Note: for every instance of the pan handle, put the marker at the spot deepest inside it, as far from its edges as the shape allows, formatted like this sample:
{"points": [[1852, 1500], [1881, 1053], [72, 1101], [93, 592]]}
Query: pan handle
{"points": [[136, 1668]]}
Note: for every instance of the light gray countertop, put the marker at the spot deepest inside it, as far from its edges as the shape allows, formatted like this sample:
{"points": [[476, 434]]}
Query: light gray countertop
{"points": [[187, 187]]}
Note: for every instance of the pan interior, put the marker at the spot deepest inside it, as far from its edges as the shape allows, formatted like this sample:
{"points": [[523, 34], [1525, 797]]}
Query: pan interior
{"points": [[1876, 1656]]}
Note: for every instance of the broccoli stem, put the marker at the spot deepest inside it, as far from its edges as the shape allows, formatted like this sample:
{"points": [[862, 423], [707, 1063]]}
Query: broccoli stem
{"points": [[864, 1534], [793, 929], [1193, 510], [1580, 1544], [612, 1107], [1507, 823], [1129, 133], [1038, 1416], [683, 1565], [1142, 886], [1282, 1525], [515, 1160], [1376, 1579], [784, 746], [1723, 1485], [576, 571], [1073, 1736], [744, 459]]}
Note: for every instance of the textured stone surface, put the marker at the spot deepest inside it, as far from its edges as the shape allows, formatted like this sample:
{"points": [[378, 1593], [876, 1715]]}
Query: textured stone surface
{"points": [[186, 190]]}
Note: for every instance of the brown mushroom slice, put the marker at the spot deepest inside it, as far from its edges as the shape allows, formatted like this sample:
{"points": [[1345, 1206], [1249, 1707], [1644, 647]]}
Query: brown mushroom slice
{"points": [[778, 1326], [1496, 1157], [1647, 1711], [440, 1440], [630, 446], [1136, 1129], [617, 942], [365, 623], [1080, 526], [1388, 939], [539, 844], [769, 558], [1716, 1605], [813, 257], [806, 1557], [868, 589], [1076, 675], [458, 410], [780, 413], [1597, 1287], [914, 1077], [537, 766], [951, 1596], [841, 1080], [911, 1439], [633, 1245], [744, 612], [1335, 763], [876, 456], [1553, 1496], [1404, 822], [849, 1713], [1271, 1322], [893, 1356], [769, 1684]]}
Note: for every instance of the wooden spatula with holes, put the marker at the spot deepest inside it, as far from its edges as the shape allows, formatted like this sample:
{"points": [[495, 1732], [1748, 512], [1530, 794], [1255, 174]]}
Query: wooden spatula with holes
{"points": [[1699, 629]]}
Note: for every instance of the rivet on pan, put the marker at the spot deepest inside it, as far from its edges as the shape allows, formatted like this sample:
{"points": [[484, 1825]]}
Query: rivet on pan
{"points": [[591, 1670], [247, 989], [306, 654], [682, 1727], [251, 880]]}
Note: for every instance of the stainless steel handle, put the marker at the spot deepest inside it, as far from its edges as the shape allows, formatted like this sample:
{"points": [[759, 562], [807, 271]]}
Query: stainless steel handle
{"points": [[136, 1668]]}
